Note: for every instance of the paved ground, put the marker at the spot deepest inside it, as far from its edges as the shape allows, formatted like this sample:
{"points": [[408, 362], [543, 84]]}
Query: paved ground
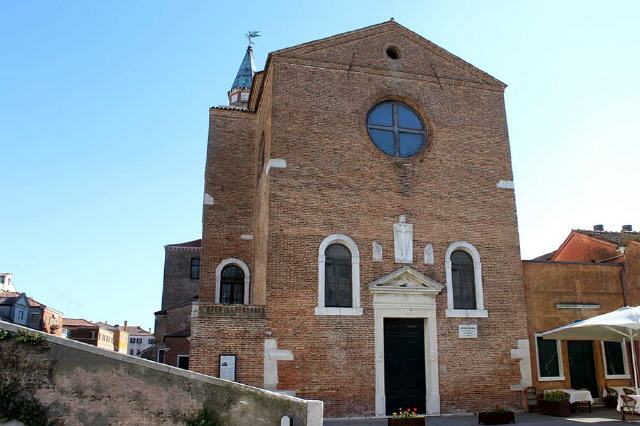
{"points": [[600, 416]]}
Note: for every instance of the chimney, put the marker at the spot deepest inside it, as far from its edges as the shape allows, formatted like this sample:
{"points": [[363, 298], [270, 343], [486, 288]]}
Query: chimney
{"points": [[598, 228], [125, 325], [627, 228]]}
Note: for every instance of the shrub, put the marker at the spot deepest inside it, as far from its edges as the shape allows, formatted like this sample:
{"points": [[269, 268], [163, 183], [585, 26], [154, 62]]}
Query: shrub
{"points": [[556, 395], [498, 410], [30, 339], [16, 405]]}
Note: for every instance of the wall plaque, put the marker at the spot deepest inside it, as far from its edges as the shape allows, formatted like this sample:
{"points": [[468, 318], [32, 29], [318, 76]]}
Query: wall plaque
{"points": [[228, 367], [468, 331]]}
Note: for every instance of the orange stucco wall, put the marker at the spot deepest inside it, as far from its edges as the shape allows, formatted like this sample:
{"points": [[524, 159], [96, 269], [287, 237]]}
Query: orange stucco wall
{"points": [[550, 283]]}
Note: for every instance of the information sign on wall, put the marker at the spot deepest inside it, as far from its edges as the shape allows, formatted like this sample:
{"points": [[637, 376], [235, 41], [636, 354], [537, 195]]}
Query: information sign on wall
{"points": [[468, 331], [228, 367]]}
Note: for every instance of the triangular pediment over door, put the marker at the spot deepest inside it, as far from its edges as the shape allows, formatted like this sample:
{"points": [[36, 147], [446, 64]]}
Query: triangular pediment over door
{"points": [[406, 280]]}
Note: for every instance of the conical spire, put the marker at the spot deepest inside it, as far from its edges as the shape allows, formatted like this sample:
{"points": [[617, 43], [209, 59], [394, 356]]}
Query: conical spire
{"points": [[244, 77], [239, 93]]}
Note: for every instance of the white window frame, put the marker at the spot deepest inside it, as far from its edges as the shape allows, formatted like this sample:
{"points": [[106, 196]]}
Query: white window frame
{"points": [[625, 362], [560, 362], [247, 277], [20, 314], [244, 96], [355, 308], [480, 311], [178, 359], [158, 355]]}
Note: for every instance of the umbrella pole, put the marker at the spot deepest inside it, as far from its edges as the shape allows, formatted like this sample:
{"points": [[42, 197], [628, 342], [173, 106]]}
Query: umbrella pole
{"points": [[633, 357]]}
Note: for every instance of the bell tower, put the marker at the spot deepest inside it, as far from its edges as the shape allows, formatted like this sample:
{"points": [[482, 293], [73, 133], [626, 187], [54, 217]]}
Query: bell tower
{"points": [[239, 93]]}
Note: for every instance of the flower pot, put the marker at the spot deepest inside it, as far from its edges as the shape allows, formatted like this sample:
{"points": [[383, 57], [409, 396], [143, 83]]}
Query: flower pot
{"points": [[492, 418], [410, 421]]}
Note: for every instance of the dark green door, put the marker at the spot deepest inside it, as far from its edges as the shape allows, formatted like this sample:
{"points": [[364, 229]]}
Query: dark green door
{"points": [[582, 366], [404, 371]]}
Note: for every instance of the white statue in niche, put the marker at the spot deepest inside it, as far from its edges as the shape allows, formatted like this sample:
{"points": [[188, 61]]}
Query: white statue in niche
{"points": [[428, 254], [403, 241], [377, 252]]}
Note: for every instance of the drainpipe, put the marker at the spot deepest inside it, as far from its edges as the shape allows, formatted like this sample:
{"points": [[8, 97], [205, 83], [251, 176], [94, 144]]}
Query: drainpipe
{"points": [[624, 283], [627, 302]]}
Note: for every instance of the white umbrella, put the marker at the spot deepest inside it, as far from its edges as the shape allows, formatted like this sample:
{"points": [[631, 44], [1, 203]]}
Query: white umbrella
{"points": [[620, 325]]}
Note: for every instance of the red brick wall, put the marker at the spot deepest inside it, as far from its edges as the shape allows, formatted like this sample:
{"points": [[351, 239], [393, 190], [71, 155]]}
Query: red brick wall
{"points": [[229, 329], [175, 346], [313, 114], [230, 179]]}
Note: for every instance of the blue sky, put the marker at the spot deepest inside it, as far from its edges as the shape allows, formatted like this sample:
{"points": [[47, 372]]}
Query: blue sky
{"points": [[104, 108]]}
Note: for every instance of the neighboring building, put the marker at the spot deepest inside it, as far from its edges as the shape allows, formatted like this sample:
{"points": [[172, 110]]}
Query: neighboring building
{"points": [[139, 339], [100, 335], [6, 282], [591, 273], [120, 336], [20, 309], [180, 287], [14, 307], [121, 339], [360, 242]]}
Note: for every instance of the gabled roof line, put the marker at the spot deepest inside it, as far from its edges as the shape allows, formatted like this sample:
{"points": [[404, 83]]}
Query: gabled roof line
{"points": [[570, 236], [329, 38], [443, 53]]}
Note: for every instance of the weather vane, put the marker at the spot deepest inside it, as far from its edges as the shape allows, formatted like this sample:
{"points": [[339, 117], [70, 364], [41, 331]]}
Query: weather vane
{"points": [[252, 34]]}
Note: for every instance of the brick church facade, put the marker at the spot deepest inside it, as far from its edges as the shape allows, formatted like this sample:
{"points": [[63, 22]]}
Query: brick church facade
{"points": [[360, 241]]}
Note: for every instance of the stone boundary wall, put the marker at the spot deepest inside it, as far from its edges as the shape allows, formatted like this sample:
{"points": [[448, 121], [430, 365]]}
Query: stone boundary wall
{"points": [[81, 384]]}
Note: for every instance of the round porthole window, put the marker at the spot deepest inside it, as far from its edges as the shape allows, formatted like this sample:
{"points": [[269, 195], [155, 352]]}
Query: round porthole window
{"points": [[396, 129]]}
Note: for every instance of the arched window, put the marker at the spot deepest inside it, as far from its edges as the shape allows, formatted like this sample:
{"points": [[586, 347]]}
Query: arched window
{"points": [[464, 281], [232, 282], [232, 286], [338, 277]]}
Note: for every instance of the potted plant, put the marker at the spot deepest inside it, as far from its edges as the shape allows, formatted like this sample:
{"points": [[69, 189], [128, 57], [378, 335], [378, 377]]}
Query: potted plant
{"points": [[406, 417], [496, 416], [554, 403]]}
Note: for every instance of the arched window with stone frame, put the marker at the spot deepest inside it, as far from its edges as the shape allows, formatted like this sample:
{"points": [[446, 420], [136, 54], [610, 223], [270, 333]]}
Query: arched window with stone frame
{"points": [[465, 297], [338, 277], [232, 282]]}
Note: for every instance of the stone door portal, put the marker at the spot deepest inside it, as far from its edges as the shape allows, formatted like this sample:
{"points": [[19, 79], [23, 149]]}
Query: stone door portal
{"points": [[406, 343]]}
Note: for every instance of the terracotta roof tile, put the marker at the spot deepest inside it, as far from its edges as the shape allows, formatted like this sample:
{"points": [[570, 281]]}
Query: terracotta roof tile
{"points": [[546, 256], [77, 322], [9, 298], [609, 236], [136, 330]]}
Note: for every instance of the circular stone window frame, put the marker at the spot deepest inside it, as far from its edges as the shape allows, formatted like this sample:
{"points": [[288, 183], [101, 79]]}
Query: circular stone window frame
{"points": [[427, 126]]}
